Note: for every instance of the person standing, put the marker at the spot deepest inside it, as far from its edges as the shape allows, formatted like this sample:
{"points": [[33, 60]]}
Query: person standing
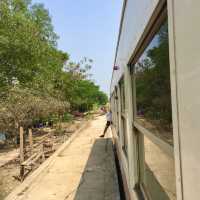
{"points": [[108, 123]]}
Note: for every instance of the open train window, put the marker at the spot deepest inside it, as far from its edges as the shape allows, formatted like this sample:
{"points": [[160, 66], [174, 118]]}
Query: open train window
{"points": [[153, 116]]}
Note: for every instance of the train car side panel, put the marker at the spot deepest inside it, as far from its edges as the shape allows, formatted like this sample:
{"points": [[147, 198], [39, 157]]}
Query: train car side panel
{"points": [[186, 31], [136, 16]]}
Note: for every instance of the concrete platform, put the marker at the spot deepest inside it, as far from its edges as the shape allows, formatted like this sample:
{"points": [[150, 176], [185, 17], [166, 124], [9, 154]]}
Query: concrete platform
{"points": [[81, 170]]}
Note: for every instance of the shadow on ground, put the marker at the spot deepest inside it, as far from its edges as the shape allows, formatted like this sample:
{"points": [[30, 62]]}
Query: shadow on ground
{"points": [[99, 179]]}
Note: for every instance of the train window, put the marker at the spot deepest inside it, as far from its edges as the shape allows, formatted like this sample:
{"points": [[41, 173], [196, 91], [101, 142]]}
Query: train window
{"points": [[153, 117], [122, 94], [124, 129], [123, 117], [159, 172], [153, 94], [112, 106], [116, 102]]}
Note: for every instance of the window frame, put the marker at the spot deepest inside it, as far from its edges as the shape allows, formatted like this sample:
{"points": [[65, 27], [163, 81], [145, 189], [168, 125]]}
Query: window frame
{"points": [[116, 105], [159, 142], [122, 117], [138, 129]]}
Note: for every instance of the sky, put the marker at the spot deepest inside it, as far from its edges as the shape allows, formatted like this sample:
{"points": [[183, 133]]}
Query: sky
{"points": [[88, 28]]}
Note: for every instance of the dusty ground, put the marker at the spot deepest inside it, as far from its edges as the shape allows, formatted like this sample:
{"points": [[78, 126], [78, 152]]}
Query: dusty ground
{"points": [[7, 182], [83, 170], [7, 156], [9, 159]]}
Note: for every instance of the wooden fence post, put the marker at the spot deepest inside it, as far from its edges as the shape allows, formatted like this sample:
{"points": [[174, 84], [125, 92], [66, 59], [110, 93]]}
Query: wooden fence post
{"points": [[30, 140], [21, 136]]}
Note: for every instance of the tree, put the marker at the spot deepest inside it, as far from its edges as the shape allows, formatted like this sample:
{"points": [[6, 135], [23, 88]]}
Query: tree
{"points": [[21, 107], [27, 43], [86, 94], [36, 79]]}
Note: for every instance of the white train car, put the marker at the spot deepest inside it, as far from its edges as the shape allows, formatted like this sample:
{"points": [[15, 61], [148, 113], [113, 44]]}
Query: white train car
{"points": [[155, 99]]}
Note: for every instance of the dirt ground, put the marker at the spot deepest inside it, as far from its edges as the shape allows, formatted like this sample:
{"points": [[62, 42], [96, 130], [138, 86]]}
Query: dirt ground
{"points": [[9, 159], [83, 169], [7, 182]]}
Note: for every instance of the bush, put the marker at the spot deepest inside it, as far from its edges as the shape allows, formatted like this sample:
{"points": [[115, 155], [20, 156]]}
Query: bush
{"points": [[22, 107]]}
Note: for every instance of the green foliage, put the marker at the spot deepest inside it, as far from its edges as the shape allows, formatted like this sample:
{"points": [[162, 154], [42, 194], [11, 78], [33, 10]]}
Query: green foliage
{"points": [[102, 98], [67, 117], [27, 42], [81, 92], [37, 81], [86, 94]]}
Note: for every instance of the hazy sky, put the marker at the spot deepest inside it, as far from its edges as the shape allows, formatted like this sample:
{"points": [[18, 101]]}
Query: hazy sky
{"points": [[88, 28]]}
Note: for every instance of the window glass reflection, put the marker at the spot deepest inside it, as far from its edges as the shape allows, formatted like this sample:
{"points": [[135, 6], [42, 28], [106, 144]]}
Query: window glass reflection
{"points": [[153, 96], [159, 172], [153, 103]]}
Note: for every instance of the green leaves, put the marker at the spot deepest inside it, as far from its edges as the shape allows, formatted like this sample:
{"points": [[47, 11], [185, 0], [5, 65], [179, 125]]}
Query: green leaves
{"points": [[36, 79], [27, 41], [86, 94]]}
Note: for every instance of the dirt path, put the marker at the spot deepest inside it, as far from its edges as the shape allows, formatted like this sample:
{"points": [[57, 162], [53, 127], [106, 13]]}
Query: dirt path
{"points": [[9, 156], [83, 170], [7, 182]]}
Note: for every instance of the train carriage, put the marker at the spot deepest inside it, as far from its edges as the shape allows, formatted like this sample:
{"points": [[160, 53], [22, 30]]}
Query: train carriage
{"points": [[154, 99]]}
